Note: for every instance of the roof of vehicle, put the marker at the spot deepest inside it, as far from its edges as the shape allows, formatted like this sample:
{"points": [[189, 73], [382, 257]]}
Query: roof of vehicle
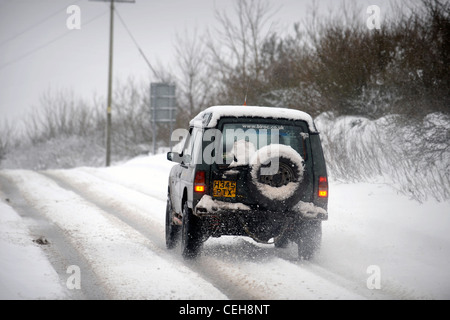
{"points": [[209, 117]]}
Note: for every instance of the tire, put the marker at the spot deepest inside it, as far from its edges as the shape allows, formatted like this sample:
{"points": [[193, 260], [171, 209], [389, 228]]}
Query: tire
{"points": [[281, 189], [191, 235], [309, 239], [281, 242], [172, 230]]}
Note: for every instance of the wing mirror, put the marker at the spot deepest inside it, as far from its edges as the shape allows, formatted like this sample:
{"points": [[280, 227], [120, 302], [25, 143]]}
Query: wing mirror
{"points": [[174, 156], [177, 157]]}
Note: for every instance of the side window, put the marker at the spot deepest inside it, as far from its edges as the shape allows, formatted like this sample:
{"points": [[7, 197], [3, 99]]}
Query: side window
{"points": [[197, 141], [193, 146], [187, 148], [179, 140]]}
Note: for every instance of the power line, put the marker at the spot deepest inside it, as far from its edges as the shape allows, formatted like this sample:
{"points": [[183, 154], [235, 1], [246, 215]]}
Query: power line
{"points": [[34, 25], [135, 42], [46, 44]]}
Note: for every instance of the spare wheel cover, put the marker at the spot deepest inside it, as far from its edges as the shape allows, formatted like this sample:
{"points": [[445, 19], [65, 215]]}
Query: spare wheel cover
{"points": [[276, 173]]}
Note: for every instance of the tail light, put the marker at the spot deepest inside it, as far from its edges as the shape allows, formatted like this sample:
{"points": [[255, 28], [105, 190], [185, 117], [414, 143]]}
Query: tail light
{"points": [[200, 181], [323, 187]]}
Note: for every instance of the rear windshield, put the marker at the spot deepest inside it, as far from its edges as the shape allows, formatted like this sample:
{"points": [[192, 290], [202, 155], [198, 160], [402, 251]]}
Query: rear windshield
{"points": [[243, 139]]}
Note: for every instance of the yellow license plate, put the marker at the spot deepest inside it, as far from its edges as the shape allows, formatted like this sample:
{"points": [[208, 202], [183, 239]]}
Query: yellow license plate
{"points": [[224, 188]]}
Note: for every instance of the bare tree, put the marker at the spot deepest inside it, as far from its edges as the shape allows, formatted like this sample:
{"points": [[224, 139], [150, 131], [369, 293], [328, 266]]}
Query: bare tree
{"points": [[235, 44], [194, 79], [132, 128]]}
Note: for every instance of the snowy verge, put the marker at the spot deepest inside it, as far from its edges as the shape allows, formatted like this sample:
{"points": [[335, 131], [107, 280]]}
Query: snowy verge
{"points": [[25, 271]]}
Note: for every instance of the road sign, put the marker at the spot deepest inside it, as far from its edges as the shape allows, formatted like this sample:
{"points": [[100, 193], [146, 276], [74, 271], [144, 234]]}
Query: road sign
{"points": [[163, 102], [163, 105]]}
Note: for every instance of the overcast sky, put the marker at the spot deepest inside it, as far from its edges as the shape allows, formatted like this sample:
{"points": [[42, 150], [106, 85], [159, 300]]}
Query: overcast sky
{"points": [[39, 53]]}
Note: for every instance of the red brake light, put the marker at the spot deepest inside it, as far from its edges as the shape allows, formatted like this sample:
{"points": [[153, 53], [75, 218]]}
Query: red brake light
{"points": [[199, 181], [323, 187]]}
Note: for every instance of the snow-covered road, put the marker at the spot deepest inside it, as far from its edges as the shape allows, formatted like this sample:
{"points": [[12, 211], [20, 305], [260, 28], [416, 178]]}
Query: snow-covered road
{"points": [[105, 233]]}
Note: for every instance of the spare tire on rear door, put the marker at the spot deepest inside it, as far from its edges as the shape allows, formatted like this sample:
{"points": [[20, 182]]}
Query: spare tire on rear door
{"points": [[276, 177]]}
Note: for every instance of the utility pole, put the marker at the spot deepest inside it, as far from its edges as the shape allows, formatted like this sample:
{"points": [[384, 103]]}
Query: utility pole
{"points": [[110, 76]]}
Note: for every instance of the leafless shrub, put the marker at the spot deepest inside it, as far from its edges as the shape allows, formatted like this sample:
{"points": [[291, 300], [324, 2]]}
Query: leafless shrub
{"points": [[59, 114], [397, 151], [65, 131], [131, 128], [6, 138]]}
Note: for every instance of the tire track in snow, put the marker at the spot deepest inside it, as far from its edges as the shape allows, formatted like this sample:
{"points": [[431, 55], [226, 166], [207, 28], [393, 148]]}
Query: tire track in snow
{"points": [[273, 270], [120, 256], [138, 210]]}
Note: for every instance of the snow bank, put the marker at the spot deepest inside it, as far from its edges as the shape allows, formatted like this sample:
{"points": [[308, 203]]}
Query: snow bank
{"points": [[146, 174]]}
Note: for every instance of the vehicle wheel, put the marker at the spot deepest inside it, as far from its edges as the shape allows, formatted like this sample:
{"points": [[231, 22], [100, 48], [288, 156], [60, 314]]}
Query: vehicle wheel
{"points": [[172, 230], [281, 242], [309, 239], [191, 236], [281, 188]]}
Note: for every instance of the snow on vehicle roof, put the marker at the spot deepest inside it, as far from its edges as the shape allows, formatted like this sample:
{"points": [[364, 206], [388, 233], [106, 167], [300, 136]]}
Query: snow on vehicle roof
{"points": [[209, 117]]}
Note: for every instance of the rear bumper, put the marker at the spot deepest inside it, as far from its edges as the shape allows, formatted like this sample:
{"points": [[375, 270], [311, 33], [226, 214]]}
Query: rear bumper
{"points": [[209, 207]]}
